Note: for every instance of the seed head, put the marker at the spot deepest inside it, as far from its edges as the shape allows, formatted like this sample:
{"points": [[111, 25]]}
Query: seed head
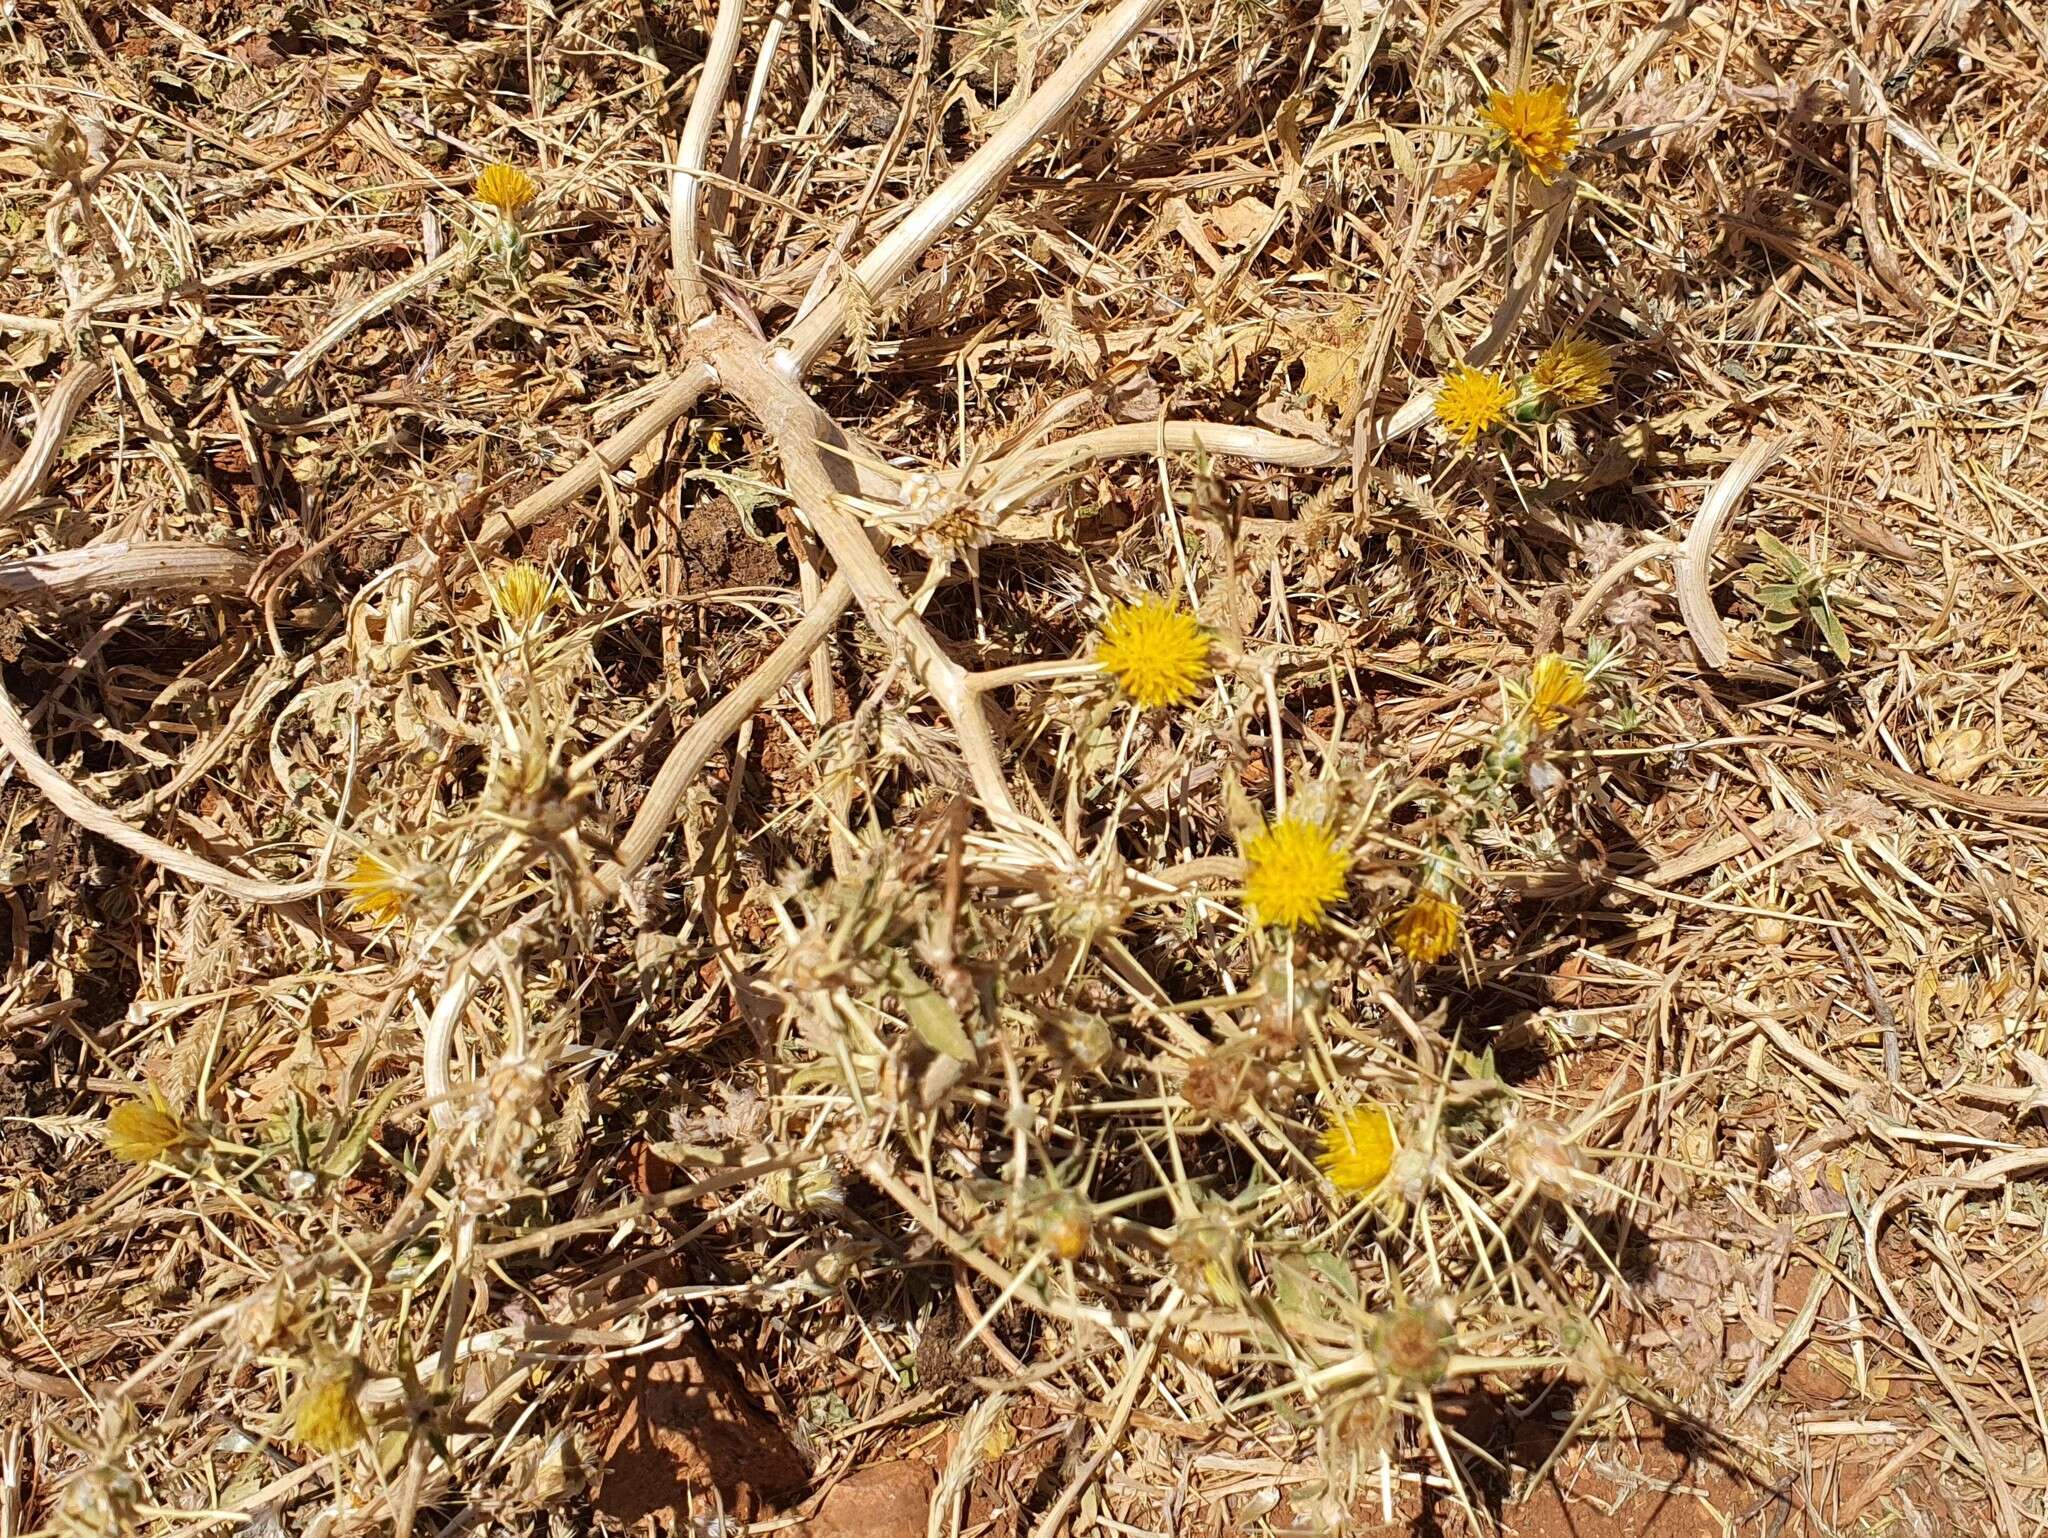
{"points": [[1535, 127], [1155, 650], [1542, 1154], [1427, 930], [1472, 402], [1358, 1148], [505, 188], [327, 1418], [1413, 1344], [1572, 372], [142, 1131], [1295, 872], [1555, 688]]}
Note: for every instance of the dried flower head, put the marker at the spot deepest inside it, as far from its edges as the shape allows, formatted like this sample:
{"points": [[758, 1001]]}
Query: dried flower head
{"points": [[1427, 930], [1155, 650], [1572, 372], [1542, 1154], [1535, 127], [1472, 402], [143, 1131], [376, 890], [326, 1417], [1554, 691], [523, 594], [1295, 871], [505, 188], [1412, 1345], [1358, 1148]]}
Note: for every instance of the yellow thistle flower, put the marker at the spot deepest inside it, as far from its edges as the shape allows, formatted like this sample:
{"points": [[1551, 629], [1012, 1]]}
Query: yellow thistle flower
{"points": [[505, 188], [327, 1418], [1295, 872], [376, 889], [1554, 690], [1427, 930], [142, 1131], [1473, 401], [1358, 1148], [1537, 127], [1573, 372], [522, 594], [1155, 650]]}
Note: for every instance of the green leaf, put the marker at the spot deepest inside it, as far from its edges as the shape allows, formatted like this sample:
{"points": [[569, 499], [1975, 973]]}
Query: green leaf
{"points": [[1780, 554], [1831, 627], [343, 1156], [934, 1019]]}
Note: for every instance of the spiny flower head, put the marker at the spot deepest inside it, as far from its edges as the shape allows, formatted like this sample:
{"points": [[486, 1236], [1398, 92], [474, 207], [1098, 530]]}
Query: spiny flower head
{"points": [[1155, 650], [1572, 372], [505, 188], [1473, 401], [1536, 127], [1427, 930], [1294, 872], [1555, 688], [376, 889], [523, 594], [327, 1418], [142, 1131], [1358, 1148], [1413, 1344]]}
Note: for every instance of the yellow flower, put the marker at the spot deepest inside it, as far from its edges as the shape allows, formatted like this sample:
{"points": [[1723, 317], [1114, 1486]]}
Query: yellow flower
{"points": [[1155, 650], [505, 188], [1358, 1148], [142, 1131], [376, 890], [1472, 401], [327, 1418], [1295, 872], [1537, 127], [1573, 372], [1427, 930], [1554, 690], [524, 593]]}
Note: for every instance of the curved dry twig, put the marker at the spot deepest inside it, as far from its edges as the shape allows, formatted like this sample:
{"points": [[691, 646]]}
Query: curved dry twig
{"points": [[895, 255], [1689, 567], [16, 742], [24, 483], [693, 294], [155, 569]]}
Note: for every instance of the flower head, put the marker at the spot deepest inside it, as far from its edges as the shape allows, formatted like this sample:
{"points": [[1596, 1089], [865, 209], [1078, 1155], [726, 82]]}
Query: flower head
{"points": [[1155, 650], [327, 1418], [376, 889], [1554, 690], [522, 594], [142, 1131], [1473, 401], [1427, 930], [1536, 127], [1572, 372], [505, 188], [1295, 872], [1358, 1148], [1413, 1344]]}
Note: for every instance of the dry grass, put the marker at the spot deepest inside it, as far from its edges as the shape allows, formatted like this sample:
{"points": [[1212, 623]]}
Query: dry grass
{"points": [[560, 800]]}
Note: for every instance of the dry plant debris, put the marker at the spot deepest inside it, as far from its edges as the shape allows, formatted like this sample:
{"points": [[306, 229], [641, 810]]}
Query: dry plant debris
{"points": [[1035, 769]]}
